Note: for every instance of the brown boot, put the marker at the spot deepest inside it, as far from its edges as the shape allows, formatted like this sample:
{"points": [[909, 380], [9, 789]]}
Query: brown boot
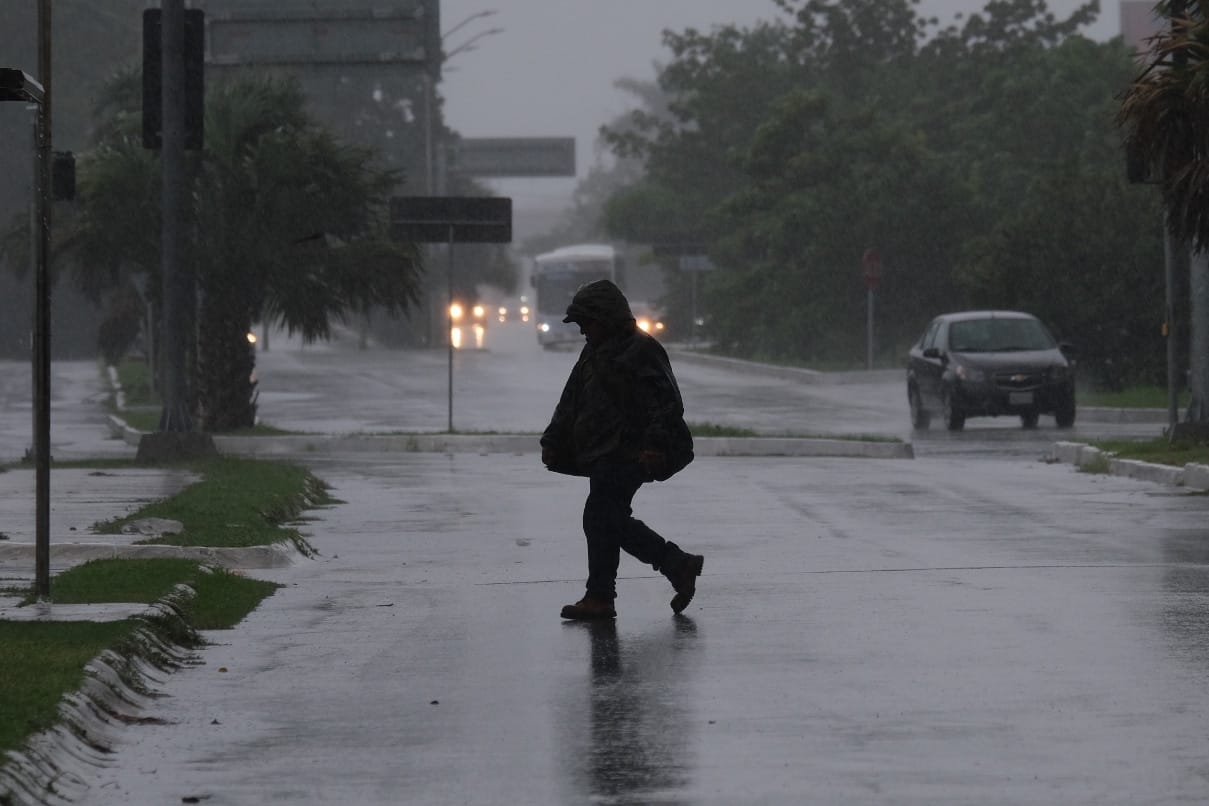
{"points": [[590, 608], [685, 581]]}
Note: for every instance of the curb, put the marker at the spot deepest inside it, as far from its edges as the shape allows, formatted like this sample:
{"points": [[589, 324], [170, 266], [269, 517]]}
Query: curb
{"points": [[801, 374], [1193, 476], [65, 554], [517, 444], [52, 767]]}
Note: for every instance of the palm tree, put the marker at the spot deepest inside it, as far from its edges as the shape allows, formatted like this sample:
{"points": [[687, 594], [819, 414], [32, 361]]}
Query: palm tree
{"points": [[1164, 115], [289, 226], [1165, 118]]}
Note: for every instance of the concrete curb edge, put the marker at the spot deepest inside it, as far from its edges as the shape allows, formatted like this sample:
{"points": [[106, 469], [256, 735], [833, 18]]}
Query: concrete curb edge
{"points": [[1193, 476]]}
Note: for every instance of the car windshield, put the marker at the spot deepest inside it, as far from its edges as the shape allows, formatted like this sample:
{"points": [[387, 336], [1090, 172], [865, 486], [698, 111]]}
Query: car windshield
{"points": [[996, 335]]}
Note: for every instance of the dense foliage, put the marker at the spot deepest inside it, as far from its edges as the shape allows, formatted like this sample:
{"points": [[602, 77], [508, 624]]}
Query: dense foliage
{"points": [[288, 225], [981, 159]]}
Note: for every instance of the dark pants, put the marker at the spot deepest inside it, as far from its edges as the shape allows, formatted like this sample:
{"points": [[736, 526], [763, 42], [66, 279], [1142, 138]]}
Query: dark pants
{"points": [[610, 526]]}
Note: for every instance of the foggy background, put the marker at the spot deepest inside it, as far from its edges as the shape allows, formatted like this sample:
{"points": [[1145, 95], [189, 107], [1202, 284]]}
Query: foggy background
{"points": [[551, 70]]}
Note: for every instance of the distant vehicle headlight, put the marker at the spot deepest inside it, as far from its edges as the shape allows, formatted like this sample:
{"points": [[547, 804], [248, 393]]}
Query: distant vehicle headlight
{"points": [[479, 311], [544, 327], [644, 325], [455, 311]]}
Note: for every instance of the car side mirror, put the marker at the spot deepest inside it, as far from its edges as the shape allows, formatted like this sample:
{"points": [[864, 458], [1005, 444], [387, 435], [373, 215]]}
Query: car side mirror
{"points": [[1069, 350], [932, 352]]}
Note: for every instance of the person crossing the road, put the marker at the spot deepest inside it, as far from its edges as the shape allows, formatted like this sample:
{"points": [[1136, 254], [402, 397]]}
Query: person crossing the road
{"points": [[620, 423]]}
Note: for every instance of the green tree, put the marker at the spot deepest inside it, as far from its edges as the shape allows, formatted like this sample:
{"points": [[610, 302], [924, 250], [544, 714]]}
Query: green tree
{"points": [[940, 146], [1165, 116], [289, 226]]}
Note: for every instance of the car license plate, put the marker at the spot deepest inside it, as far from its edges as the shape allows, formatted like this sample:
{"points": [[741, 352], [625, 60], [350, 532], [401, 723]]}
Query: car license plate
{"points": [[1020, 398]]}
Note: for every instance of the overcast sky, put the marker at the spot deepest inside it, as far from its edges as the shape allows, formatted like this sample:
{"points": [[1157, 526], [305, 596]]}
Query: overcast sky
{"points": [[549, 70]]}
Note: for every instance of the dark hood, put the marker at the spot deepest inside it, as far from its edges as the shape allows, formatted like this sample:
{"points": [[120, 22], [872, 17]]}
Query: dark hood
{"points": [[600, 300]]}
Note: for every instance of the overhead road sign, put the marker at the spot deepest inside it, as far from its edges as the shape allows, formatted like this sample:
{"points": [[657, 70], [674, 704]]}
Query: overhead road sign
{"points": [[451, 219], [515, 156]]}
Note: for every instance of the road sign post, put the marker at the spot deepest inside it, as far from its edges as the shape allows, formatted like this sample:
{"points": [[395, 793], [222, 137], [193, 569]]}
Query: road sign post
{"points": [[450, 220], [871, 265]]}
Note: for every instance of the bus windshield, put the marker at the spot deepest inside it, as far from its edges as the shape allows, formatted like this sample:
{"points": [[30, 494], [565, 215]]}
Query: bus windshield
{"points": [[558, 282]]}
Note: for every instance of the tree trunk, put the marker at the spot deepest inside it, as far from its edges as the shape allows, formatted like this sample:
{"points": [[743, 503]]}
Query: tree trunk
{"points": [[225, 364], [1198, 292]]}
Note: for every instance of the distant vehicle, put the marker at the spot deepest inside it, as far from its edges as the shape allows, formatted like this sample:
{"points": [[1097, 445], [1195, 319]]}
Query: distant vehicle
{"points": [[986, 364], [557, 275], [467, 325]]}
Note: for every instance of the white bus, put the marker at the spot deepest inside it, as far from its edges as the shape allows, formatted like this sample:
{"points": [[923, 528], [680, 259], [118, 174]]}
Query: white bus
{"points": [[556, 277]]}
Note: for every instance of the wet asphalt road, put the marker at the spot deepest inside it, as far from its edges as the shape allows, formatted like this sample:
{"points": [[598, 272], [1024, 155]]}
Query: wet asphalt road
{"points": [[972, 626]]}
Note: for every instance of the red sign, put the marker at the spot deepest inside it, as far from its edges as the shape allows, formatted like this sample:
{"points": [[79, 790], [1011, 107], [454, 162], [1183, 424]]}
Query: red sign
{"points": [[871, 262]]}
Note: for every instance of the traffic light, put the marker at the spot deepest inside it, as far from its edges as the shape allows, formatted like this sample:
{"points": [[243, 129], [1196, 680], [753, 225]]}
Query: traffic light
{"points": [[195, 70]]}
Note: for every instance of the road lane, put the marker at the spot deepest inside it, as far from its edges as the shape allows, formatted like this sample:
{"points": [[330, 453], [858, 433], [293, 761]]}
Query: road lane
{"points": [[942, 631]]}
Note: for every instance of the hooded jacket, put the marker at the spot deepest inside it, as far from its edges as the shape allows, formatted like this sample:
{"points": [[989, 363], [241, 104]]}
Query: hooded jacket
{"points": [[621, 396]]}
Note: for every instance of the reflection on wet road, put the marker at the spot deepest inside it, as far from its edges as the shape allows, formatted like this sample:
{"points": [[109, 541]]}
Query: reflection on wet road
{"points": [[974, 626], [640, 727]]}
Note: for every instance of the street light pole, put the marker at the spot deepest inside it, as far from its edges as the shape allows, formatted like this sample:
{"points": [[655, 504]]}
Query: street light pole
{"points": [[42, 318]]}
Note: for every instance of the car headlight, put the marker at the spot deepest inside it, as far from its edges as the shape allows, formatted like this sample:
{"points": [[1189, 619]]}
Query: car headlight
{"points": [[969, 374]]}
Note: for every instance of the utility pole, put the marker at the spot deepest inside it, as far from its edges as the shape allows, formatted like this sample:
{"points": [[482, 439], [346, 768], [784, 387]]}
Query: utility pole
{"points": [[42, 317], [177, 314], [1198, 352]]}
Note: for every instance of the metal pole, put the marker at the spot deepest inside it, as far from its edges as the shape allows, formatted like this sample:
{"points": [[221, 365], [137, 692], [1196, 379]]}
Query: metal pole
{"points": [[177, 313], [869, 330], [693, 307], [42, 317], [1169, 332], [1198, 350], [449, 327]]}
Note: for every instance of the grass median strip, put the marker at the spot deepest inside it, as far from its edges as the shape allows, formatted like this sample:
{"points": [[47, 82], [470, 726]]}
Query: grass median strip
{"points": [[236, 502], [41, 662], [1159, 450]]}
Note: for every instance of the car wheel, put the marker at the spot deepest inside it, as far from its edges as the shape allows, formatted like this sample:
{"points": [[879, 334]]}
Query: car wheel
{"points": [[920, 418], [1065, 415], [1029, 419], [955, 419]]}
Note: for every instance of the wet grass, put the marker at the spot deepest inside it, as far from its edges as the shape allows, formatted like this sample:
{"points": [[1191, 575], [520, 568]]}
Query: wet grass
{"points": [[238, 502], [41, 662], [44, 660], [142, 410], [717, 430], [1138, 397], [134, 376], [1159, 451]]}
